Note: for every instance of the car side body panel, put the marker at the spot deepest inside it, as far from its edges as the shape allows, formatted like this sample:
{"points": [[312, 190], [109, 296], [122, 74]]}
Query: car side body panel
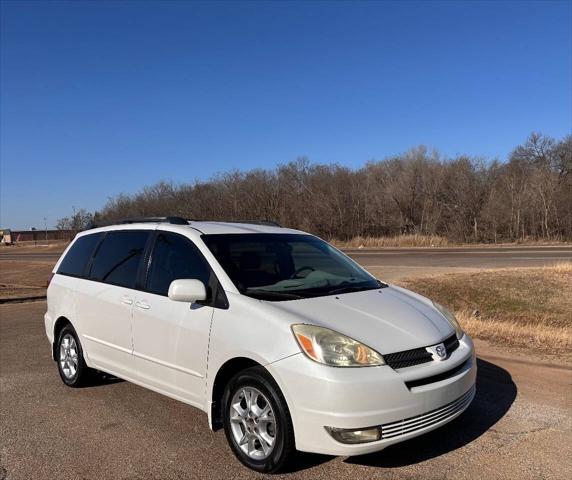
{"points": [[247, 329], [170, 345]]}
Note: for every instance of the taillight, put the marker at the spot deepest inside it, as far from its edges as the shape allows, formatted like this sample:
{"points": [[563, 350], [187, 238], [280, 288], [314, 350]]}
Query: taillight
{"points": [[50, 276]]}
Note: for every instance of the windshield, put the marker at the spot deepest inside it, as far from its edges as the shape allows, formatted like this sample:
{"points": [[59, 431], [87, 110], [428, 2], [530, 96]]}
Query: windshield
{"points": [[287, 266]]}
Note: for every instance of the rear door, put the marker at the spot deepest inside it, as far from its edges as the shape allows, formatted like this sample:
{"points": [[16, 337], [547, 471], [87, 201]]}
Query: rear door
{"points": [[70, 275], [170, 339], [105, 301]]}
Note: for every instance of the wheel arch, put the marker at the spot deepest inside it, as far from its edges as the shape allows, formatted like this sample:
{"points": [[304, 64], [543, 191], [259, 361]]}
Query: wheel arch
{"points": [[59, 324], [226, 371]]}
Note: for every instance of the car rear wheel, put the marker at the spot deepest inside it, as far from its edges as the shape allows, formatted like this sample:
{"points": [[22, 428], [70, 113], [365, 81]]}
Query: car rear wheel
{"points": [[257, 422], [69, 357]]}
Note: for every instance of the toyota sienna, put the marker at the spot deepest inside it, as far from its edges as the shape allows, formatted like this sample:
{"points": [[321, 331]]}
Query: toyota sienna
{"points": [[285, 342]]}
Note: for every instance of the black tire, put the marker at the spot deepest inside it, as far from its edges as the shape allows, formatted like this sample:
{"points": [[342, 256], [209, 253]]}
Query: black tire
{"points": [[82, 373], [284, 446]]}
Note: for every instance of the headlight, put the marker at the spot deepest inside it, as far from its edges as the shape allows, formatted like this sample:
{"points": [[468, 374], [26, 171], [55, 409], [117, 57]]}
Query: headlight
{"points": [[451, 318], [332, 348]]}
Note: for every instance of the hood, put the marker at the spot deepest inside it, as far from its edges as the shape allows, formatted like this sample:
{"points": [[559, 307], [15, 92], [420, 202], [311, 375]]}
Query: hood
{"points": [[388, 320]]}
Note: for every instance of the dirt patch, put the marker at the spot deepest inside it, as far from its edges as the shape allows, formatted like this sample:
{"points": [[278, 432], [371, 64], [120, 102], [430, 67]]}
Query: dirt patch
{"points": [[25, 273], [16, 291], [29, 247], [21, 279]]}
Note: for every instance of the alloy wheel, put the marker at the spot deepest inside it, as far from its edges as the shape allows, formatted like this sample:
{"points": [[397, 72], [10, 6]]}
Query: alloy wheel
{"points": [[69, 359], [253, 423]]}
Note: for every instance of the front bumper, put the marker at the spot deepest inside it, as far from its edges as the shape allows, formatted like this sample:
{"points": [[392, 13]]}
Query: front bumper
{"points": [[353, 398]]}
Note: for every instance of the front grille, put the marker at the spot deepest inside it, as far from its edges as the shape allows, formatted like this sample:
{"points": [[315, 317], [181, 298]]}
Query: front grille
{"points": [[451, 344], [419, 422], [417, 356], [408, 358]]}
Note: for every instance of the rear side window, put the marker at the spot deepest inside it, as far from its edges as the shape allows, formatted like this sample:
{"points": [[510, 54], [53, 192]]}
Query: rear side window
{"points": [[76, 259], [175, 257], [117, 259]]}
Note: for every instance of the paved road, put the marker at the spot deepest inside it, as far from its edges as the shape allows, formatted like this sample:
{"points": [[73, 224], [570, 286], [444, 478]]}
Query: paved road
{"points": [[518, 426], [472, 257], [30, 257]]}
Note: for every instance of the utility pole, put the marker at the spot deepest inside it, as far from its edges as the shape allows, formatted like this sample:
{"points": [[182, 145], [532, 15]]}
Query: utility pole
{"points": [[46, 229]]}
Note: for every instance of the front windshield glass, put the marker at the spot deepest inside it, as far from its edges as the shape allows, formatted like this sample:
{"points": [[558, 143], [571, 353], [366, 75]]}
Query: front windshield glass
{"points": [[286, 266]]}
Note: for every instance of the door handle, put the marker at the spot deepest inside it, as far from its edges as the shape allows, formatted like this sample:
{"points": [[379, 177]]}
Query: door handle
{"points": [[126, 300], [143, 305]]}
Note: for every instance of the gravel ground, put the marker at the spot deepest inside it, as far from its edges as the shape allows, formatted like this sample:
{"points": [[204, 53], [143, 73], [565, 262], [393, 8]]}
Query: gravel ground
{"points": [[519, 425]]}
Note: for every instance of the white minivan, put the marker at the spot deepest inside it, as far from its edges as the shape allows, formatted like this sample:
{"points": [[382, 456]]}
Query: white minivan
{"points": [[284, 341]]}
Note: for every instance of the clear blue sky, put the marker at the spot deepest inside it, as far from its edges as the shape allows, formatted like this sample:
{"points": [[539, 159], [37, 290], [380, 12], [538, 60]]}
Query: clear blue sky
{"points": [[99, 98]]}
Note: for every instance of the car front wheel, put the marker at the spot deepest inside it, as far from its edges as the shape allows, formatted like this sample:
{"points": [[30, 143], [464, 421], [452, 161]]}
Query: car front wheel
{"points": [[257, 422]]}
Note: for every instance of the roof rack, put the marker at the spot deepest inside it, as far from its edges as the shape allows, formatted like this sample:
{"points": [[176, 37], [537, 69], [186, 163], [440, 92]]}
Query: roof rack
{"points": [[172, 220], [178, 221], [268, 223]]}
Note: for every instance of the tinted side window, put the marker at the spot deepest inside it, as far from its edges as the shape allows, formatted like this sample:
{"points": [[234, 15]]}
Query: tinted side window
{"points": [[76, 259], [118, 258], [175, 257]]}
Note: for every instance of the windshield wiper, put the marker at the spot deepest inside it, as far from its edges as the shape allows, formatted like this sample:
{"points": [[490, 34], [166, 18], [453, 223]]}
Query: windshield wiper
{"points": [[265, 294], [352, 288]]}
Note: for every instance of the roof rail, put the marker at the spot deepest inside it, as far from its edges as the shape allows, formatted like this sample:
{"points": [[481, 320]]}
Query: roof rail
{"points": [[172, 220], [178, 221], [268, 223]]}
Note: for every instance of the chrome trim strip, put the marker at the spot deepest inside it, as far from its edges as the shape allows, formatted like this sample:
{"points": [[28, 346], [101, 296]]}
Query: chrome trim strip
{"points": [[419, 422]]}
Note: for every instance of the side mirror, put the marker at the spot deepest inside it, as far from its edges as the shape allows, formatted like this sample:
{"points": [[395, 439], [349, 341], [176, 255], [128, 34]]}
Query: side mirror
{"points": [[187, 290]]}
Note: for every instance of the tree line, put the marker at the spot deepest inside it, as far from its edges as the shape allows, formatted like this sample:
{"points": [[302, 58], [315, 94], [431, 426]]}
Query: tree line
{"points": [[465, 198]]}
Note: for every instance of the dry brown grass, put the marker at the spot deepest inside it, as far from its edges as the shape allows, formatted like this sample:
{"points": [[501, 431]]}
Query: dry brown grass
{"points": [[412, 241], [523, 307], [396, 241], [560, 268], [539, 335]]}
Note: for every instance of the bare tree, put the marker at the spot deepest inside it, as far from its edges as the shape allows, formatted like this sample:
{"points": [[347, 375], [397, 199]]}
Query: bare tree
{"points": [[76, 222], [463, 198]]}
